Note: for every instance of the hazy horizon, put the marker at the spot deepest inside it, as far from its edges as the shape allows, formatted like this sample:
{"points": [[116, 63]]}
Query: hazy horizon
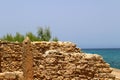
{"points": [[88, 23]]}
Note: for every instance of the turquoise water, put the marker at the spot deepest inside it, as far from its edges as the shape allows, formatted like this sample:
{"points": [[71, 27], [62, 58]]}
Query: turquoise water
{"points": [[111, 56]]}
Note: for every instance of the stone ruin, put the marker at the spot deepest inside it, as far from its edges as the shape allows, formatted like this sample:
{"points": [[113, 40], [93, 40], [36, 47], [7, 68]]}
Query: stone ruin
{"points": [[50, 61]]}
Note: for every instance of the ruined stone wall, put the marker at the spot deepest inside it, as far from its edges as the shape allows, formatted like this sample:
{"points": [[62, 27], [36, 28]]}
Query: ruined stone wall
{"points": [[11, 56], [56, 61]]}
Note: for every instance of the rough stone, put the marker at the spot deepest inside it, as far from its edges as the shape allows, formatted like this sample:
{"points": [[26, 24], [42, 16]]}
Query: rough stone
{"points": [[53, 61]]}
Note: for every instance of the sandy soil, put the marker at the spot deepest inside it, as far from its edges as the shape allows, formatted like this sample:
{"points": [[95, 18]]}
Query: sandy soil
{"points": [[116, 72]]}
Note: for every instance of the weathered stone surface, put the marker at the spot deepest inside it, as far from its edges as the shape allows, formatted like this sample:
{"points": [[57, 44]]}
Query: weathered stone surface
{"points": [[27, 60], [11, 75], [54, 61]]}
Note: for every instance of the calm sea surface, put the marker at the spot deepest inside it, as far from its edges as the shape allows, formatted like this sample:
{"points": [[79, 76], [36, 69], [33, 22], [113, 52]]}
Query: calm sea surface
{"points": [[111, 56]]}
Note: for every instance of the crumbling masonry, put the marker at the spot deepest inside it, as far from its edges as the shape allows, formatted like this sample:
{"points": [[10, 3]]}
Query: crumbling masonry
{"points": [[51, 61]]}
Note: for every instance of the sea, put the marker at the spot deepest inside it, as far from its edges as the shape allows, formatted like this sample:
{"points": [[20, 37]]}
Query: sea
{"points": [[110, 55]]}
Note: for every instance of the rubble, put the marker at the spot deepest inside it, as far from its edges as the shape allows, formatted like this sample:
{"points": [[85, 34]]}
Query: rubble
{"points": [[54, 61]]}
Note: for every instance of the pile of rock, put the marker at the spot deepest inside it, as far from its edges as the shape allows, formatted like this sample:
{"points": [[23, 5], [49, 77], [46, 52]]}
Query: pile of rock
{"points": [[55, 61], [72, 66]]}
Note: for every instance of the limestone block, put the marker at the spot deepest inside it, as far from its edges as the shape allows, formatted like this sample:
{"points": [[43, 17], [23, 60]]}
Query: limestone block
{"points": [[9, 75]]}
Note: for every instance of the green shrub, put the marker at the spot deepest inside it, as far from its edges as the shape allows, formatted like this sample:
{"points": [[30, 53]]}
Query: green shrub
{"points": [[43, 34], [55, 39], [8, 37], [18, 37], [32, 36]]}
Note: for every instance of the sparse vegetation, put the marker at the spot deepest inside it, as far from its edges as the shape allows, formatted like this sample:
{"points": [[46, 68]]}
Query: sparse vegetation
{"points": [[43, 34], [55, 39]]}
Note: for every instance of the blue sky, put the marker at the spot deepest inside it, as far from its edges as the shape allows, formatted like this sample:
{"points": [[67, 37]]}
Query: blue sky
{"points": [[88, 23]]}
